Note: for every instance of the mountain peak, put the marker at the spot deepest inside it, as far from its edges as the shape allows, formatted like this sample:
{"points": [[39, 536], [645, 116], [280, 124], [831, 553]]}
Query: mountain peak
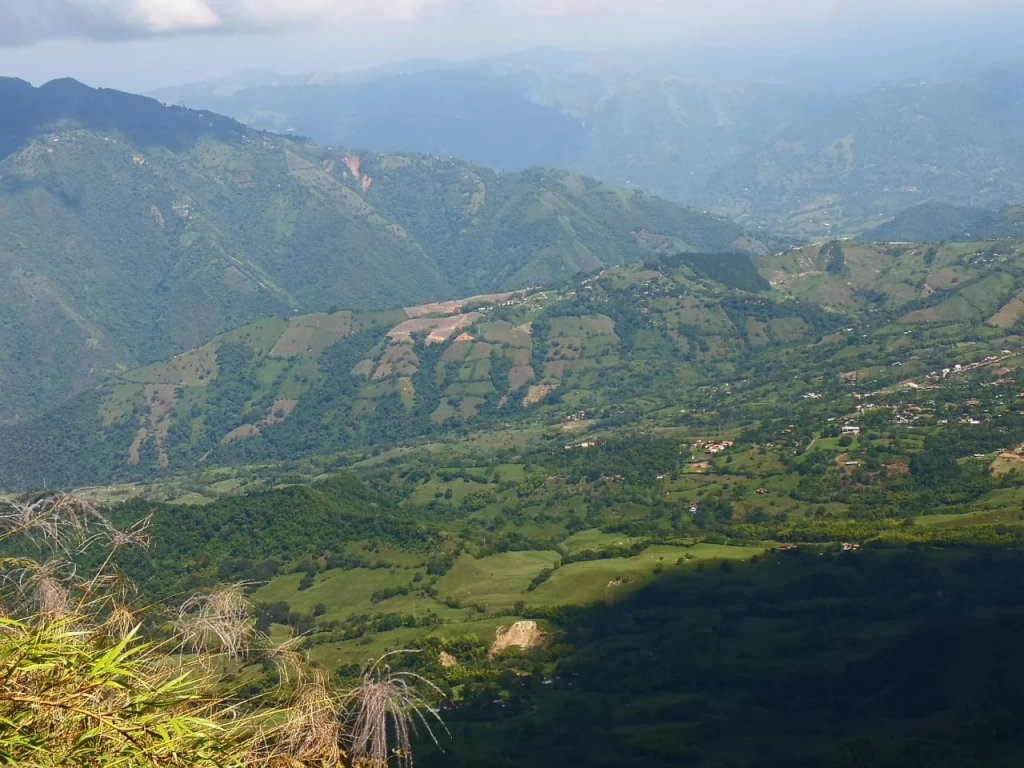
{"points": [[145, 122]]}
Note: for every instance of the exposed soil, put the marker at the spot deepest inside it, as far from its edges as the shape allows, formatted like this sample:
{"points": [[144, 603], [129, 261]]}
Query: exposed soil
{"points": [[520, 375], [522, 634], [537, 392], [577, 426], [447, 660], [279, 411], [440, 328], [451, 307], [243, 432]]}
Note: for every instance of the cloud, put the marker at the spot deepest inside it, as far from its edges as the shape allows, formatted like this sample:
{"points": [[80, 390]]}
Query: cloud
{"points": [[28, 21]]}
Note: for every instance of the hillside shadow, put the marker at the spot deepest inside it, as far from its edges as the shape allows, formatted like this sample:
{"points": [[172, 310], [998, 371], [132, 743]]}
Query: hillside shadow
{"points": [[870, 659]]}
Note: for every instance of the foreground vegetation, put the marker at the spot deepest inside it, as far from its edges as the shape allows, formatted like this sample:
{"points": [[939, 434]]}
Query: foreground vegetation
{"points": [[88, 680]]}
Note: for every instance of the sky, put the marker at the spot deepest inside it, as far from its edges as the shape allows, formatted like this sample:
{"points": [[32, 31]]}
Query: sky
{"points": [[145, 44]]}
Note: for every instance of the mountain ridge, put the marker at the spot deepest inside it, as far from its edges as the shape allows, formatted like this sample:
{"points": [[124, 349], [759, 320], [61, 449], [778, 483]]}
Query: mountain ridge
{"points": [[135, 231]]}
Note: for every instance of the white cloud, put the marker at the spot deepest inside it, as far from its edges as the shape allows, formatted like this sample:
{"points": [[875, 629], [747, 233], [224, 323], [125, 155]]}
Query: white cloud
{"points": [[24, 21], [174, 15]]}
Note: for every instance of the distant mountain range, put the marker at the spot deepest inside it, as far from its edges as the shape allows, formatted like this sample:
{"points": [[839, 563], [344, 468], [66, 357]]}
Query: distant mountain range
{"points": [[133, 231], [768, 144]]}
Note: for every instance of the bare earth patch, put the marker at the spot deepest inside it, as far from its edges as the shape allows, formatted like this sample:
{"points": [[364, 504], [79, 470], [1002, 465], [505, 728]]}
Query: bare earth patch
{"points": [[447, 660], [440, 328], [136, 446], [160, 399], [399, 358], [240, 433], [522, 634], [279, 411], [1007, 461], [1008, 316], [537, 392], [519, 376], [451, 307], [577, 426]]}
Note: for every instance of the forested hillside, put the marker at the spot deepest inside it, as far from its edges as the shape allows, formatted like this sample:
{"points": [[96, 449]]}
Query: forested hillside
{"points": [[133, 231]]}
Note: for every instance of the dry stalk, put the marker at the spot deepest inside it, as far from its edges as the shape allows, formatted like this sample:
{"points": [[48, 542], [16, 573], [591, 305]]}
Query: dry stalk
{"points": [[289, 662], [383, 712], [42, 589], [60, 523], [311, 735], [216, 622]]}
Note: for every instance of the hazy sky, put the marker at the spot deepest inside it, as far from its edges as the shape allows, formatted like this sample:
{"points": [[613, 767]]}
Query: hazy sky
{"points": [[139, 44]]}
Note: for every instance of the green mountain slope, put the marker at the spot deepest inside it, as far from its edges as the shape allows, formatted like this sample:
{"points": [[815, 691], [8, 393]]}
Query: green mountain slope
{"points": [[962, 284], [133, 231], [627, 341], [640, 343]]}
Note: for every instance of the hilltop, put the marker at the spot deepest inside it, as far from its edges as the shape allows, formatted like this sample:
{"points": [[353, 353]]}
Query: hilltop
{"points": [[134, 231]]}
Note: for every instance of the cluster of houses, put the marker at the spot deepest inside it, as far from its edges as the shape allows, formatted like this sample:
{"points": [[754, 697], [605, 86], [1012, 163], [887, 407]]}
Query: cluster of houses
{"points": [[583, 445], [847, 546], [711, 449], [957, 369], [910, 416]]}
